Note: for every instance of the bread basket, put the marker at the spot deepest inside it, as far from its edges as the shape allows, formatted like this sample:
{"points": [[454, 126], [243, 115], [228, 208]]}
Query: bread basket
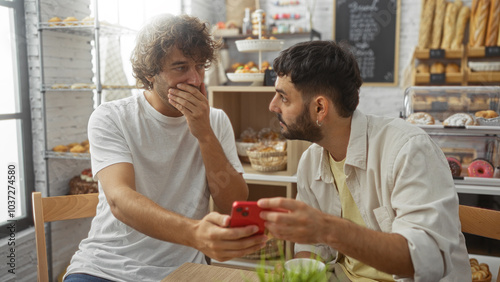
{"points": [[267, 160], [242, 147]]}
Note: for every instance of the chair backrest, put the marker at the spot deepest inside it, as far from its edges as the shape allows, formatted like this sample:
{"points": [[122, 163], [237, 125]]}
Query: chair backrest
{"points": [[50, 209], [481, 222]]}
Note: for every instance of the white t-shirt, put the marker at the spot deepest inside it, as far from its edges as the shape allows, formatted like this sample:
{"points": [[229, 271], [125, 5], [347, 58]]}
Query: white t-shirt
{"points": [[169, 170]]}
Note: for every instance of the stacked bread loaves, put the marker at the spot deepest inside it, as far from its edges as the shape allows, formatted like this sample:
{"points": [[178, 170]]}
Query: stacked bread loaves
{"points": [[442, 24], [485, 23]]}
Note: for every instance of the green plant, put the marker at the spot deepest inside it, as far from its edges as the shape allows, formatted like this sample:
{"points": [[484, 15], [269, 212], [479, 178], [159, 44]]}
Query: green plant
{"points": [[279, 274]]}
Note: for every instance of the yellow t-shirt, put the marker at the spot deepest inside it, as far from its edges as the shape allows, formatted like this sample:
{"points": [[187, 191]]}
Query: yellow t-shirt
{"points": [[353, 268]]}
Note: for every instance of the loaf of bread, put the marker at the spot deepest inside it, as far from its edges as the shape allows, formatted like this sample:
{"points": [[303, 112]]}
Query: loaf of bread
{"points": [[426, 18], [423, 68], [462, 19], [437, 68], [473, 10], [493, 23], [452, 68], [450, 20], [437, 24], [480, 22]]}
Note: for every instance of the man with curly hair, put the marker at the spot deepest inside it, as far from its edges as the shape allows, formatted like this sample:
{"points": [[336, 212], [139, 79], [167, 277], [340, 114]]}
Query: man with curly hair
{"points": [[159, 157]]}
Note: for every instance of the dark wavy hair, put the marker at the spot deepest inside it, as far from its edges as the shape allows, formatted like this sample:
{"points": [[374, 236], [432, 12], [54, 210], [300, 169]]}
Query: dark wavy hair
{"points": [[164, 32], [322, 67]]}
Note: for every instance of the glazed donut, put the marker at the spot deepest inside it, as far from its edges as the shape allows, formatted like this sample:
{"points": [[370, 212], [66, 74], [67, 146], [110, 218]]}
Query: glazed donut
{"points": [[487, 114], [420, 118], [480, 168], [455, 166], [460, 119]]}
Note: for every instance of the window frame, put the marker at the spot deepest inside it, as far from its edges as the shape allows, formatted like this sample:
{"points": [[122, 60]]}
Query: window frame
{"points": [[23, 116]]}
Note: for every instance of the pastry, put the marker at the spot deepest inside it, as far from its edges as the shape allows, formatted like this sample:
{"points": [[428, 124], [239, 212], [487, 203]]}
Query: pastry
{"points": [[459, 119], [60, 148], [486, 114], [437, 25], [83, 184], [78, 149], [88, 21], [455, 166], [462, 20], [452, 68], [420, 118], [480, 168], [493, 24], [423, 68], [449, 25], [70, 21], [426, 24], [480, 23], [55, 21], [437, 68]]}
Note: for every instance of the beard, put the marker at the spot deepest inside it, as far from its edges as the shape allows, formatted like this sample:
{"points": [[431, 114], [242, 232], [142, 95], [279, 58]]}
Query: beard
{"points": [[302, 129]]}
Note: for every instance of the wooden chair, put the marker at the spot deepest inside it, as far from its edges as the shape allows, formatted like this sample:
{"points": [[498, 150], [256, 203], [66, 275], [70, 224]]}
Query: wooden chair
{"points": [[50, 209], [481, 222]]}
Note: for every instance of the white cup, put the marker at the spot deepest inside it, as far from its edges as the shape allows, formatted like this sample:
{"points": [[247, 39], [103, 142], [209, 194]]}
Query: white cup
{"points": [[303, 267]]}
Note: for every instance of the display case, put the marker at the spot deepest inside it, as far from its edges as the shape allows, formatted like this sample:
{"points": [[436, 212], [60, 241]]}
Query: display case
{"points": [[475, 145]]}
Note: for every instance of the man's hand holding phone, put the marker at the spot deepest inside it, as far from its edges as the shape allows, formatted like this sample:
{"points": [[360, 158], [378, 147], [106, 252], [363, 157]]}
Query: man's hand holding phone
{"points": [[245, 213]]}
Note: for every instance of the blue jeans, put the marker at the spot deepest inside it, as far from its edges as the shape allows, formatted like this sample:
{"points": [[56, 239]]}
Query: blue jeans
{"points": [[81, 277]]}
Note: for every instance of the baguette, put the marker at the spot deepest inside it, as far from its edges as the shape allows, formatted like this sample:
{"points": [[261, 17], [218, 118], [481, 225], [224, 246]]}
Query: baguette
{"points": [[473, 11], [450, 20], [498, 42], [493, 23], [462, 19], [426, 24], [481, 20], [437, 25]]}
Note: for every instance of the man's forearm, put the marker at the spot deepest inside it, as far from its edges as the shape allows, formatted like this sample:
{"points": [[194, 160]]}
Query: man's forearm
{"points": [[147, 217], [387, 252], [225, 183]]}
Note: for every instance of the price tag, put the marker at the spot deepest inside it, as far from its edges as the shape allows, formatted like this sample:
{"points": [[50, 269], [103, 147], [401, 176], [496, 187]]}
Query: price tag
{"points": [[493, 51], [437, 53], [438, 78], [439, 106], [269, 77]]}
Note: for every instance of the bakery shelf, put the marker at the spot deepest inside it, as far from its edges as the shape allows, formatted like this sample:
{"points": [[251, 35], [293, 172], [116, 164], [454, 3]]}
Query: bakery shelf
{"points": [[248, 106], [450, 78], [483, 76], [67, 155], [464, 188], [85, 29], [473, 130], [477, 52], [448, 54], [255, 45]]}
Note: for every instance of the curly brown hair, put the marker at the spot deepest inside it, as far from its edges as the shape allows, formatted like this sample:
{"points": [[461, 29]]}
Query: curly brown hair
{"points": [[164, 32]]}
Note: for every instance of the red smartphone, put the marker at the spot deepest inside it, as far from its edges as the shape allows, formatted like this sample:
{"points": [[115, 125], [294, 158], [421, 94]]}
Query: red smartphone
{"points": [[246, 213]]}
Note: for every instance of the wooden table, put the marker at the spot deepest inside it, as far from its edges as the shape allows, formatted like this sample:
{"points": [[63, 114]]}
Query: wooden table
{"points": [[194, 272]]}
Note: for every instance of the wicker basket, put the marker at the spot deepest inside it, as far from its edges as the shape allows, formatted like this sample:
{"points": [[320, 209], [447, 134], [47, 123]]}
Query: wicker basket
{"points": [[271, 250], [267, 161]]}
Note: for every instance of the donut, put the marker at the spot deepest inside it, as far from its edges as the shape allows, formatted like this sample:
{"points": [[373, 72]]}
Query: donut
{"points": [[460, 119], [420, 118], [486, 114], [455, 166], [480, 168]]}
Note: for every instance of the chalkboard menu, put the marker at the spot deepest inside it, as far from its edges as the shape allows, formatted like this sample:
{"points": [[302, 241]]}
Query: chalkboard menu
{"points": [[372, 29]]}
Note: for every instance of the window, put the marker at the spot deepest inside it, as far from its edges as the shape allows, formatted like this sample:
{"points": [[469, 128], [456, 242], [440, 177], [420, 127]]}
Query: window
{"points": [[16, 157]]}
